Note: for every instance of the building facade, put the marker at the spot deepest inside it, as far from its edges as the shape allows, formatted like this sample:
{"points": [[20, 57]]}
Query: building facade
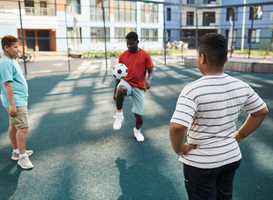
{"points": [[58, 25], [241, 19], [85, 20], [205, 20], [172, 21], [185, 22], [39, 22]]}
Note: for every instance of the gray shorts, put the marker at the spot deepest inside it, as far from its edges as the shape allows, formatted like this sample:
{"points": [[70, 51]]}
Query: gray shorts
{"points": [[21, 119], [138, 97]]}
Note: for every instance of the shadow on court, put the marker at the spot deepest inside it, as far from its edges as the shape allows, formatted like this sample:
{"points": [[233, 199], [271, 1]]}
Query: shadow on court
{"points": [[78, 155]]}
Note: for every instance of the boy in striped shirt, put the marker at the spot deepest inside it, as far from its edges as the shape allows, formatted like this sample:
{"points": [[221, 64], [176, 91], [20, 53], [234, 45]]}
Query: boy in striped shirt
{"points": [[209, 108]]}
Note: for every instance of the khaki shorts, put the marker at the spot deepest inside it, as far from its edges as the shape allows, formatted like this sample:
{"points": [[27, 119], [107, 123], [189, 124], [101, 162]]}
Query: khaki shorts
{"points": [[21, 119]]}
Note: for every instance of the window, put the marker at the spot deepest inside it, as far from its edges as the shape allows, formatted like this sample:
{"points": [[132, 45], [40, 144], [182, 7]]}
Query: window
{"points": [[124, 11], [29, 3], [190, 1], [97, 34], [96, 10], [233, 36], [43, 8], [255, 36], [168, 14], [149, 13], [168, 35], [190, 18], [29, 7], [43, 4], [73, 6], [149, 35], [208, 17], [74, 35], [232, 12], [208, 1], [120, 33], [256, 11]]}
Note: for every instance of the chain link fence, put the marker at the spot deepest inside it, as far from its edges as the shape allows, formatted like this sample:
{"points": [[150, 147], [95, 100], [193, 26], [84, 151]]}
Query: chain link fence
{"points": [[69, 34]]}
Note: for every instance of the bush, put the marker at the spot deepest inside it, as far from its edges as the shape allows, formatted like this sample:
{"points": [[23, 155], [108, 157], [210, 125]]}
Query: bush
{"points": [[265, 46]]}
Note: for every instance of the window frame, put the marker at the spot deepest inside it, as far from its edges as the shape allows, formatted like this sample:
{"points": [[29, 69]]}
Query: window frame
{"points": [[96, 13], [70, 41], [124, 31], [76, 8], [151, 31], [187, 19], [255, 12], [149, 13], [169, 11], [168, 35], [255, 35], [209, 13], [97, 37], [228, 13]]}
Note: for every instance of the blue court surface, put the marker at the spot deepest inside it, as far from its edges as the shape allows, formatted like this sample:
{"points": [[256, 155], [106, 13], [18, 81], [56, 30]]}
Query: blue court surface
{"points": [[78, 155]]}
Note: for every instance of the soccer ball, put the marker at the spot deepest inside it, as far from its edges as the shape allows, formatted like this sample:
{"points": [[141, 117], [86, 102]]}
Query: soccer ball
{"points": [[120, 71]]}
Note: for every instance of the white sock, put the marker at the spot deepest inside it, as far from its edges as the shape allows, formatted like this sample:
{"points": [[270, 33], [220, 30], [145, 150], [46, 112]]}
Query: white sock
{"points": [[22, 155], [16, 151], [137, 130]]}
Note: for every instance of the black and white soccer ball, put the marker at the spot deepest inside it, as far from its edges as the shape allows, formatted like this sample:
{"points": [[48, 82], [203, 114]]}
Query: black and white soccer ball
{"points": [[120, 71]]}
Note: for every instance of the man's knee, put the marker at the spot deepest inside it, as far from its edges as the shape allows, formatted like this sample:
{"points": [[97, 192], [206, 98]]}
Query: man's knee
{"points": [[139, 117], [121, 90]]}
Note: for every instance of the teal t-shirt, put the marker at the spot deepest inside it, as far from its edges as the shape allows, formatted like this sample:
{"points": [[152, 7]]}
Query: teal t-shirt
{"points": [[10, 70]]}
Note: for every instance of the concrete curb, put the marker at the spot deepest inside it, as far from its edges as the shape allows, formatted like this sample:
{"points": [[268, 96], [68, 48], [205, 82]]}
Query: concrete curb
{"points": [[242, 66]]}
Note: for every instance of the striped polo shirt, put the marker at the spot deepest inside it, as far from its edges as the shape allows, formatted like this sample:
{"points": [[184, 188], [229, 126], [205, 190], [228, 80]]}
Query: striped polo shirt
{"points": [[209, 108]]}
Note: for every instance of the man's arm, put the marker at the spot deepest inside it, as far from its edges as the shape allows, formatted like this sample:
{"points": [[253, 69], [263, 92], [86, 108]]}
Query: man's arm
{"points": [[150, 77], [10, 96], [177, 135], [252, 122], [115, 89]]}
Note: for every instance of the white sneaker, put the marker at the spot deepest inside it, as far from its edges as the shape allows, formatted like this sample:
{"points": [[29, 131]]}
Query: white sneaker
{"points": [[25, 163], [119, 118], [138, 135], [15, 156]]}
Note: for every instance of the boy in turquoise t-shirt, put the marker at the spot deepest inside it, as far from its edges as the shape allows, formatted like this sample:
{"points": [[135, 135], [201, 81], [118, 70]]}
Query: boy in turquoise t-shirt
{"points": [[14, 95]]}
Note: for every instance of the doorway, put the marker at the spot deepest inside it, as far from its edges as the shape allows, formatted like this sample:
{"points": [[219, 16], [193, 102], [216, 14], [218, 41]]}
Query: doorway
{"points": [[30, 42], [43, 43]]}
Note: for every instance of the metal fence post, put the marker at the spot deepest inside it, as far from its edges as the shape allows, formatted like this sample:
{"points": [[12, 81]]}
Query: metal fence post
{"points": [[164, 34], [22, 36], [68, 51], [196, 32], [104, 27], [251, 29]]}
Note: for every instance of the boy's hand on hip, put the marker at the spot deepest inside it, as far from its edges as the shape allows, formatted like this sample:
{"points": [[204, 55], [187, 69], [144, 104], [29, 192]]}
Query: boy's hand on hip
{"points": [[187, 147], [12, 111]]}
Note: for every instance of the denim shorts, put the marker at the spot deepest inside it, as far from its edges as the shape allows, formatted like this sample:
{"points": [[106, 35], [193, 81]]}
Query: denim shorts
{"points": [[21, 119], [138, 97]]}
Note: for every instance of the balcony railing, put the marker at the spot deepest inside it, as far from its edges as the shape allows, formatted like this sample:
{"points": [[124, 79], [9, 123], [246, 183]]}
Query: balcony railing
{"points": [[201, 2], [39, 11]]}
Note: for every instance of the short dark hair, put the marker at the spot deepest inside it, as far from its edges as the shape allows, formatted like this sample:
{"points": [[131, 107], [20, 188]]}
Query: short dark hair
{"points": [[214, 47], [8, 40], [132, 35]]}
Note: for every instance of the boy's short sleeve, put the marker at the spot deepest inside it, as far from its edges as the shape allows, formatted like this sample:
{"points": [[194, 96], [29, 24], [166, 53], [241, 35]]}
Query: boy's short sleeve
{"points": [[185, 109], [6, 72], [253, 103]]}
